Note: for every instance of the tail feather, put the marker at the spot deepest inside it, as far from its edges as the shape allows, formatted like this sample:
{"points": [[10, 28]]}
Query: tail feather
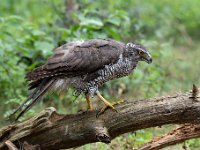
{"points": [[35, 96], [34, 84]]}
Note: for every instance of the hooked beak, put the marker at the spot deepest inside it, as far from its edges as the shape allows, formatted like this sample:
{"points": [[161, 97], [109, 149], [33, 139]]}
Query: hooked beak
{"points": [[149, 61], [147, 58]]}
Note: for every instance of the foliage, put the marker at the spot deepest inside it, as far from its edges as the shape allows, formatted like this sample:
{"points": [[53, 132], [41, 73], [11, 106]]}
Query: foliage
{"points": [[29, 33]]}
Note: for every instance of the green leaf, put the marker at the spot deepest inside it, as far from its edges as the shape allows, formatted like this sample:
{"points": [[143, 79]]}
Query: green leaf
{"points": [[45, 47], [13, 18], [114, 21], [94, 23], [112, 32], [38, 33]]}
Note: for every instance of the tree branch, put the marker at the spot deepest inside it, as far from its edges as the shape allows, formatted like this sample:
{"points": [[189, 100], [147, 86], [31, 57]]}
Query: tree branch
{"points": [[52, 131], [181, 134]]}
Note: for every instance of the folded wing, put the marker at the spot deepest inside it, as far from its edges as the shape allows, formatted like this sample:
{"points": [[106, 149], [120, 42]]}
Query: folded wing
{"points": [[78, 58]]}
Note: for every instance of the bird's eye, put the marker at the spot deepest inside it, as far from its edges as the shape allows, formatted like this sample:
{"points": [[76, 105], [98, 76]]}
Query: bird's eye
{"points": [[141, 52]]}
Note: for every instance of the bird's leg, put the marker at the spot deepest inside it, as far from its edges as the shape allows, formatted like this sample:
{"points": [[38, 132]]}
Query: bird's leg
{"points": [[106, 103], [90, 108]]}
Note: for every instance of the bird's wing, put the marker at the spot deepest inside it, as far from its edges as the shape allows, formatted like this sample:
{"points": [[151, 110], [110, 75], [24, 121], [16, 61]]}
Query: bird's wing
{"points": [[77, 58]]}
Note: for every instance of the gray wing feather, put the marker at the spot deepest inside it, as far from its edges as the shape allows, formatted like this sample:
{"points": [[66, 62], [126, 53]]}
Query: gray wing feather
{"points": [[78, 58]]}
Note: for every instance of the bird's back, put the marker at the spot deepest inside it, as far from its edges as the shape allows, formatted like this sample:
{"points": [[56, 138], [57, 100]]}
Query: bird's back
{"points": [[78, 58]]}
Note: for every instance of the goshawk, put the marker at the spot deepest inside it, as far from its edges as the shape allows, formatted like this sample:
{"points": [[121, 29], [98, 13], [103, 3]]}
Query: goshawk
{"points": [[84, 66]]}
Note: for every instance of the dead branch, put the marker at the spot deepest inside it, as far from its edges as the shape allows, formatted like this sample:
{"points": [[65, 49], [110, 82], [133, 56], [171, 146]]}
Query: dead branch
{"points": [[52, 131], [181, 134], [10, 145]]}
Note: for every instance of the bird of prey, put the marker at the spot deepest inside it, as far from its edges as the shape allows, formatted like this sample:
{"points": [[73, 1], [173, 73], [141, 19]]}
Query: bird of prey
{"points": [[84, 66]]}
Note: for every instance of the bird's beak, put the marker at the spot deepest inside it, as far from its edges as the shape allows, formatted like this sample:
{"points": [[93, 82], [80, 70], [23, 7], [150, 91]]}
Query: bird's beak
{"points": [[149, 61], [147, 58]]}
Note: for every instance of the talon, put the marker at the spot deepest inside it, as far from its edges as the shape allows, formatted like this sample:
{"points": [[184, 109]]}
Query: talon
{"points": [[101, 111], [104, 109], [107, 104], [118, 102]]}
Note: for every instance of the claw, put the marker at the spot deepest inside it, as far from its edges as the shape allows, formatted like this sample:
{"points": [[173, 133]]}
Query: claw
{"points": [[104, 109], [106, 105]]}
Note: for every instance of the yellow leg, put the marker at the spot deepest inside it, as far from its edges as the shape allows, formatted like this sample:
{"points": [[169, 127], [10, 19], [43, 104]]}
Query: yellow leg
{"points": [[90, 108], [106, 103]]}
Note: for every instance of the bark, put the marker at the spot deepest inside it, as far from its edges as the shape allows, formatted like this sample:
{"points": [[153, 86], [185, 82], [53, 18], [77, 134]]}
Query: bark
{"points": [[185, 132], [52, 131]]}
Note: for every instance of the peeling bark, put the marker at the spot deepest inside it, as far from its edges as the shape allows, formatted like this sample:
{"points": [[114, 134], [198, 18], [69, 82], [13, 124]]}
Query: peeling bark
{"points": [[179, 135], [52, 131]]}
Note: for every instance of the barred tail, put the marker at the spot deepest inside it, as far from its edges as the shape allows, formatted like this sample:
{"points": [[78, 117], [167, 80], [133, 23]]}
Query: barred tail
{"points": [[35, 96]]}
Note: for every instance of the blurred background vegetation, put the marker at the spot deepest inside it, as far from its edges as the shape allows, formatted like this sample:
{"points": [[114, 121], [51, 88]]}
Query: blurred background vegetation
{"points": [[31, 29]]}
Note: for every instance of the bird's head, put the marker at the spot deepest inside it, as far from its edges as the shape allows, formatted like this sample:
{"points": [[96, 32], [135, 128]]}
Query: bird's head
{"points": [[138, 52]]}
